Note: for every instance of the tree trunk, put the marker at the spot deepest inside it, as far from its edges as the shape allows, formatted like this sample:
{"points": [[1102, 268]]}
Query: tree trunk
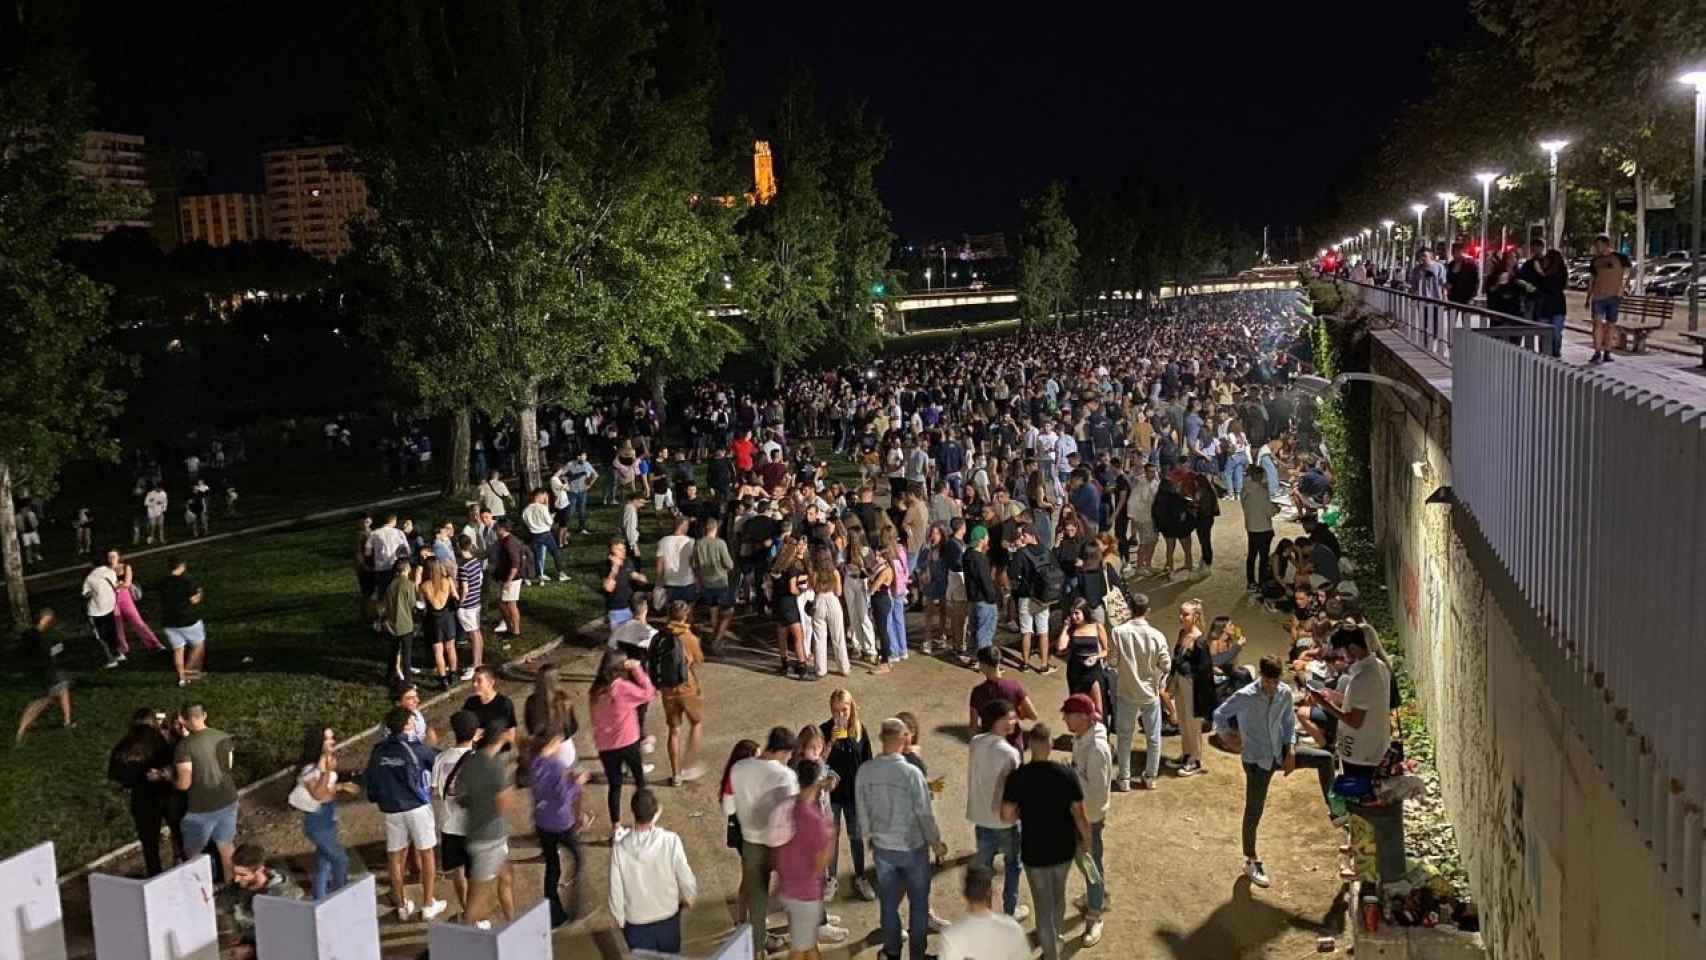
{"points": [[17, 595], [1640, 229], [1610, 208], [527, 427], [658, 383], [457, 467]]}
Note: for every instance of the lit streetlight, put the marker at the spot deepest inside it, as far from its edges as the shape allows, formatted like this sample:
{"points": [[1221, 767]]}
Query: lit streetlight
{"points": [[1390, 250], [1486, 180], [926, 278], [1445, 211], [1419, 209], [1554, 213], [1697, 80]]}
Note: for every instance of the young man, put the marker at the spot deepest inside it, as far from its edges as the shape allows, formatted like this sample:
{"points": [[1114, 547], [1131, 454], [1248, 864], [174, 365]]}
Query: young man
{"points": [[983, 934], [991, 759], [46, 653], [385, 546], [1037, 584], [539, 521], [650, 880], [1144, 660], [494, 494], [397, 782], [489, 706], [1462, 277], [578, 478], [713, 564], [486, 797], [1605, 291], [997, 686], [100, 590], [895, 817], [507, 563], [180, 598], [447, 804], [203, 764], [982, 600], [1093, 762], [674, 565], [1362, 704], [250, 878], [761, 787], [471, 578], [1044, 798], [154, 505]]}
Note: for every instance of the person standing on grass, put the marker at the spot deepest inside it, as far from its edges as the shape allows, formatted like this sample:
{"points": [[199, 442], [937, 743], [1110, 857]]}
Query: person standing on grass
{"points": [[397, 619], [487, 796], [180, 596], [316, 795], [1044, 798], [141, 763], [991, 760], [983, 934], [650, 880], [507, 567], [896, 817], [556, 791], [203, 763], [539, 521], [675, 660], [494, 494], [1142, 661], [363, 563], [713, 564], [385, 546], [1093, 762], [100, 590], [447, 805], [763, 788], [578, 476], [154, 505], [619, 689], [470, 585], [396, 781], [46, 652]]}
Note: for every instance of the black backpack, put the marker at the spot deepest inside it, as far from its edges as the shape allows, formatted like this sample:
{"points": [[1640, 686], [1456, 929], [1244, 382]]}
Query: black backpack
{"points": [[1047, 580], [665, 662]]}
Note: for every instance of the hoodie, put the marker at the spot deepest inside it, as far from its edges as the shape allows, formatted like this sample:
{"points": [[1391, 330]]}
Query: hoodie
{"points": [[1093, 761], [396, 773]]}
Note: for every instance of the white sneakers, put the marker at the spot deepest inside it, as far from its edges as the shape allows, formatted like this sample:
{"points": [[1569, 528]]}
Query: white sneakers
{"points": [[1093, 933], [406, 912], [1256, 872], [501, 628], [648, 745], [433, 909], [830, 933], [468, 674]]}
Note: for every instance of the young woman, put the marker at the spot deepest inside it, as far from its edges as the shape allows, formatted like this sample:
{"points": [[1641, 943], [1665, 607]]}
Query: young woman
{"points": [[141, 763], [1084, 643], [1173, 516], [829, 634], [1225, 641], [126, 614], [789, 583], [726, 794], [900, 574], [848, 747], [855, 588], [619, 688], [1190, 687], [557, 816], [934, 573], [315, 794], [440, 594]]}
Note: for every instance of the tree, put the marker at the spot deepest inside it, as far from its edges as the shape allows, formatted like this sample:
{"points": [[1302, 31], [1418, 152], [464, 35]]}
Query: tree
{"points": [[53, 374], [1047, 259], [784, 276], [862, 235]]}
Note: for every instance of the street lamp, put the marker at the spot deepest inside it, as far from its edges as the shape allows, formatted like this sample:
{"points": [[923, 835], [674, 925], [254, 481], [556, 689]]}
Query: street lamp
{"points": [[1420, 209], [926, 278], [1445, 211], [1486, 193], [1554, 215], [1366, 247], [1390, 251], [1697, 80]]}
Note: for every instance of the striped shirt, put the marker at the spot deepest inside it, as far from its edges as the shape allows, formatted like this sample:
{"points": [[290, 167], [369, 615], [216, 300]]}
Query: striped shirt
{"points": [[473, 578]]}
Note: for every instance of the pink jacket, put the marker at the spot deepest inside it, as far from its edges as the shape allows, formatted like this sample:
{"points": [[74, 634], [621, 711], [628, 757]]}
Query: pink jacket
{"points": [[615, 724]]}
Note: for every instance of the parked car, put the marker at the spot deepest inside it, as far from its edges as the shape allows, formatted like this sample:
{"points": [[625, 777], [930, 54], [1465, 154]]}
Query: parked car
{"points": [[1675, 284], [1657, 275]]}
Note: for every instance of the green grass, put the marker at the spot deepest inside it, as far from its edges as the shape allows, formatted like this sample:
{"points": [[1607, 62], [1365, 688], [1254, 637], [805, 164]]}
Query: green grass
{"points": [[284, 651]]}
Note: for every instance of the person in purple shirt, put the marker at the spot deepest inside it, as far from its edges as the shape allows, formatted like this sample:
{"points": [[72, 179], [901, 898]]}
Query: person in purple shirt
{"points": [[556, 816]]}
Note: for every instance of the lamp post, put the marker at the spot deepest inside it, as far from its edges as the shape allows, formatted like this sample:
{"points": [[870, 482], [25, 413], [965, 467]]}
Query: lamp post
{"points": [[1390, 250], [927, 278], [1368, 247], [1486, 197], [1554, 214], [1697, 80], [1445, 211], [1420, 210]]}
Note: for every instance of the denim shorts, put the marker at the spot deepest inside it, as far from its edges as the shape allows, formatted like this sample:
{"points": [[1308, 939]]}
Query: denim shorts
{"points": [[218, 826], [193, 635], [1605, 308], [1033, 616]]}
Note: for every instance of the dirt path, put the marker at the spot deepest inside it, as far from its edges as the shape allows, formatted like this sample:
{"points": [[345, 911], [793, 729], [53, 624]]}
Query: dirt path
{"points": [[1172, 854]]}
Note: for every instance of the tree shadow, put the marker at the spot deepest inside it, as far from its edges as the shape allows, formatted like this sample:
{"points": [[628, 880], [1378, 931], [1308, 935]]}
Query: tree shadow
{"points": [[1243, 923]]}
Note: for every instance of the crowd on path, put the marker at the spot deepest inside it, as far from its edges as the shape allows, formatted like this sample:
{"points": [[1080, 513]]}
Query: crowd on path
{"points": [[1021, 485]]}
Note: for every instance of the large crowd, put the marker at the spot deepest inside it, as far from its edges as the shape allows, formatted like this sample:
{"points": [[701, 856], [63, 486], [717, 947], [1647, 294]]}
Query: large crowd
{"points": [[1015, 491]]}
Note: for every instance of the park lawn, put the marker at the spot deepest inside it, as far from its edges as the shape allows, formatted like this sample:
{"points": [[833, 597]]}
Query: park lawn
{"points": [[285, 651]]}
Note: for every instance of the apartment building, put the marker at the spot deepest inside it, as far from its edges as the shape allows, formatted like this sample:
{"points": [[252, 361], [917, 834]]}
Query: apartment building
{"points": [[219, 219], [312, 194]]}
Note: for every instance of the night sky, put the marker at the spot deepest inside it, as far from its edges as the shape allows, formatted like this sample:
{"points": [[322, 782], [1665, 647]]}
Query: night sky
{"points": [[1255, 110]]}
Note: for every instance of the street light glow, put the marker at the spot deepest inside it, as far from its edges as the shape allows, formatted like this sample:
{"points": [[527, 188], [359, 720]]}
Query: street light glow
{"points": [[1367, 230], [1418, 208], [1486, 178], [1553, 146], [1388, 224], [1447, 197], [1694, 78]]}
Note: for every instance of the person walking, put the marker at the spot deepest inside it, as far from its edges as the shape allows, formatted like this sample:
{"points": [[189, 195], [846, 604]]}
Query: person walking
{"points": [[1142, 661], [128, 618], [1093, 762], [316, 795], [396, 781], [1263, 718], [180, 596], [982, 933], [141, 764], [619, 688], [849, 748], [100, 602], [542, 536], [675, 660], [895, 816], [487, 796], [763, 788], [55, 685], [650, 880], [1045, 799], [203, 763], [556, 790], [991, 759]]}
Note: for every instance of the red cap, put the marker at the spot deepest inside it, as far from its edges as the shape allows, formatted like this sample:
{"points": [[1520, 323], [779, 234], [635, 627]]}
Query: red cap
{"points": [[1080, 703]]}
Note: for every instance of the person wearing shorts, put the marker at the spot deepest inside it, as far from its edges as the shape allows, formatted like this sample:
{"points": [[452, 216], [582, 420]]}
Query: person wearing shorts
{"points": [[447, 801], [682, 703], [398, 782], [471, 579], [713, 564], [803, 861], [1605, 292], [202, 760], [180, 596], [486, 795], [507, 559]]}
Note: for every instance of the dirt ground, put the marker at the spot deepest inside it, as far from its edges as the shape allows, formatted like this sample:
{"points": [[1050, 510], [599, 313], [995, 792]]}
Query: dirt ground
{"points": [[1172, 855]]}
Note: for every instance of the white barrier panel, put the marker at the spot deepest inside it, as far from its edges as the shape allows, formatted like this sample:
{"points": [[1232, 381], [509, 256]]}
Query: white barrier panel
{"points": [[528, 938], [344, 926], [168, 917], [31, 925]]}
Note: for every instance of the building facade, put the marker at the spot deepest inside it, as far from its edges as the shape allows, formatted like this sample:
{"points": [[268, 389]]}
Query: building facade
{"points": [[117, 161], [220, 219], [312, 194]]}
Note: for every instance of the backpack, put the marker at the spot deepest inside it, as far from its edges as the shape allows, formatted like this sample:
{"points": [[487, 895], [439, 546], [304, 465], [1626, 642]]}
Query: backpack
{"points": [[665, 662], [1047, 581]]}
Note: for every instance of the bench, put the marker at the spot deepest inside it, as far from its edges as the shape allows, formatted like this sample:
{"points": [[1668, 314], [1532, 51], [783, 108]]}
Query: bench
{"points": [[1638, 316], [1699, 338]]}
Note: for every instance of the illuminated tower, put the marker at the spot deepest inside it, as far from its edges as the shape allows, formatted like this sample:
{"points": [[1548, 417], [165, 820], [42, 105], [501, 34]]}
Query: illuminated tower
{"points": [[763, 174]]}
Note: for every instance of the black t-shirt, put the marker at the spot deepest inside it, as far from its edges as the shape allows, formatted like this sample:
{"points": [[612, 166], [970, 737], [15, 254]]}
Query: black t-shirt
{"points": [[175, 594], [501, 708], [622, 597], [1045, 792], [759, 528]]}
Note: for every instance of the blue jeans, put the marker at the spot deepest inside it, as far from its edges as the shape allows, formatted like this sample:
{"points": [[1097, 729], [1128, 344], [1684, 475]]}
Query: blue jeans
{"points": [[544, 543], [1130, 715], [983, 623], [1233, 476], [1557, 324], [855, 838], [1097, 894], [897, 628], [904, 873], [331, 862], [577, 507], [660, 936], [1006, 843]]}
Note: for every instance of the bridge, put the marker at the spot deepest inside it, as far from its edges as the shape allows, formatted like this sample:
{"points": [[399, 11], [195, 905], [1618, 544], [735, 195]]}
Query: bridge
{"points": [[951, 297]]}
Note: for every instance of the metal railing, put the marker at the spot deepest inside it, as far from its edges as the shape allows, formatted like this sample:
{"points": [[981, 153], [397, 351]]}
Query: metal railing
{"points": [[1429, 324], [1587, 490]]}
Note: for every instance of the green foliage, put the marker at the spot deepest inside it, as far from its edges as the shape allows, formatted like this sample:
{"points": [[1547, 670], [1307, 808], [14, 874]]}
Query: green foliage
{"points": [[862, 235], [1344, 420], [1048, 258]]}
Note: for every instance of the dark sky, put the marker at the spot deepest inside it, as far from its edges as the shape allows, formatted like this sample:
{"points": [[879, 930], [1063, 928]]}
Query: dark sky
{"points": [[1257, 109]]}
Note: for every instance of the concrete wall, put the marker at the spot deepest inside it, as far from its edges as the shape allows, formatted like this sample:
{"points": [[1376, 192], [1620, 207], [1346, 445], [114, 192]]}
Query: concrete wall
{"points": [[1557, 865]]}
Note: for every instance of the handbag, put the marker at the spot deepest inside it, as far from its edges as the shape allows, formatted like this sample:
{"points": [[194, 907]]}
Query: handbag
{"points": [[1114, 602]]}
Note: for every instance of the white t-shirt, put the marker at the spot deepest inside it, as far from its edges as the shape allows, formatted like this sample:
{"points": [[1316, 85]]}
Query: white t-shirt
{"points": [[1367, 685], [450, 813], [992, 758], [384, 546], [98, 588], [492, 494], [537, 516], [675, 552], [763, 790], [155, 503], [990, 935], [302, 799]]}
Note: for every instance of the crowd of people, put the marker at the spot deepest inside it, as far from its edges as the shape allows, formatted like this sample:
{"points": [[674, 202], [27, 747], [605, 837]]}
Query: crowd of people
{"points": [[1021, 484]]}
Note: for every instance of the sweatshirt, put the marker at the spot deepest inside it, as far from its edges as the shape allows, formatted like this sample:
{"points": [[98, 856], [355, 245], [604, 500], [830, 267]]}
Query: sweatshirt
{"points": [[395, 777], [615, 724]]}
